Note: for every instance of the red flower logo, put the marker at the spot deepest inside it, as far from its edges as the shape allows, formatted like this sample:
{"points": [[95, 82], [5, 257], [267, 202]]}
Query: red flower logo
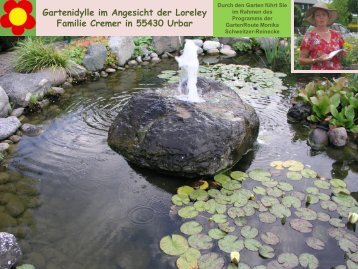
{"points": [[17, 16]]}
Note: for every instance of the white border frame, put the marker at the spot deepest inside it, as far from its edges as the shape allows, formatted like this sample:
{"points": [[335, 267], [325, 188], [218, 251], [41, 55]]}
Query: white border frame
{"points": [[293, 53]]}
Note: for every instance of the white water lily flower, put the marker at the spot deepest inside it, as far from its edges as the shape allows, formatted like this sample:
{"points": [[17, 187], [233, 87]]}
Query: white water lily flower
{"points": [[352, 217], [235, 257]]}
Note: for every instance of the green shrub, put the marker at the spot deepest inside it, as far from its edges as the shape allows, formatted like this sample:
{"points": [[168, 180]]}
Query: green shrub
{"points": [[33, 55], [75, 53], [140, 42], [333, 102], [242, 46]]}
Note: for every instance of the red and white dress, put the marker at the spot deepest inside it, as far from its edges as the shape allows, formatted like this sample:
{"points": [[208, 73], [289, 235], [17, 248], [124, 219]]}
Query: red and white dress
{"points": [[317, 46]]}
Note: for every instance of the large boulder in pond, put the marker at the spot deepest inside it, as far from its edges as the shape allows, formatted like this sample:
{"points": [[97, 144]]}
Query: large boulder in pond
{"points": [[160, 132]]}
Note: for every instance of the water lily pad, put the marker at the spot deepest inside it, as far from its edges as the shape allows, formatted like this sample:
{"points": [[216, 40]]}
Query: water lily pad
{"points": [[260, 175], [312, 190], [214, 193], [336, 223], [308, 173], [219, 218], [231, 185], [188, 212], [243, 266], [288, 260], [331, 206], [338, 183], [353, 256], [191, 227], [200, 206], [259, 190], [189, 259], [234, 212], [249, 211], [294, 175], [274, 265], [291, 201], [185, 190], [260, 267], [266, 252], [301, 225], [308, 261], [217, 234], [344, 211], [277, 165], [274, 192], [249, 232], [174, 245], [226, 227], [322, 184], [220, 209], [267, 217], [299, 195], [230, 243], [285, 186], [200, 241], [347, 245], [180, 199], [211, 206], [293, 165], [280, 211], [315, 243], [306, 213], [252, 244], [238, 175], [240, 221], [323, 216], [352, 265], [221, 178], [269, 201], [344, 200], [336, 233], [211, 261], [270, 183], [312, 199], [323, 196], [223, 199], [199, 195], [25, 266], [270, 238]]}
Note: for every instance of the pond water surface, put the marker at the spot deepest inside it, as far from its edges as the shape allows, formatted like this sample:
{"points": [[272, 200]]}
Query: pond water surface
{"points": [[97, 211]]}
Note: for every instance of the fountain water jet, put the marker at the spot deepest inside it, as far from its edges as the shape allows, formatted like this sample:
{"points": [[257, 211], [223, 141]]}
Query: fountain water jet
{"points": [[189, 66]]}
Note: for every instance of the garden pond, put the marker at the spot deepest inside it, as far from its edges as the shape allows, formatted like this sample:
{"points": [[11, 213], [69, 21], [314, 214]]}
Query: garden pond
{"points": [[84, 206]]}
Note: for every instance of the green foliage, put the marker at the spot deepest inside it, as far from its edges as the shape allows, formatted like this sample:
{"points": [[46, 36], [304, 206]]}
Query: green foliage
{"points": [[352, 6], [242, 46], [33, 55], [334, 102], [2, 156], [277, 52], [75, 53], [140, 42], [342, 8], [298, 16], [111, 58], [33, 100], [351, 46]]}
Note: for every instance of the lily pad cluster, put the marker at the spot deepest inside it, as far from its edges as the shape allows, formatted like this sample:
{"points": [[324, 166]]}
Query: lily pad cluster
{"points": [[240, 78], [219, 219]]}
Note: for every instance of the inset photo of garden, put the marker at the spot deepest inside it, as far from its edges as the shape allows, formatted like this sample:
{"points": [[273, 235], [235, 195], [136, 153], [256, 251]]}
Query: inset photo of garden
{"points": [[163, 152], [325, 36]]}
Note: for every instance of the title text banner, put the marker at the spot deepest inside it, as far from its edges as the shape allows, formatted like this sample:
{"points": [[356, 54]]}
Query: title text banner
{"points": [[132, 18]]}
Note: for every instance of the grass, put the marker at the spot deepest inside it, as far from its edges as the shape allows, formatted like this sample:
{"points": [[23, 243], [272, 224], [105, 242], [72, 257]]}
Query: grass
{"points": [[33, 55]]}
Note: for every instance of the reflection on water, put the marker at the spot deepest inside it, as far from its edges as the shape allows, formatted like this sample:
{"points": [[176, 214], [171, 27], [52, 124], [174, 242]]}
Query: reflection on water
{"points": [[97, 211]]}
